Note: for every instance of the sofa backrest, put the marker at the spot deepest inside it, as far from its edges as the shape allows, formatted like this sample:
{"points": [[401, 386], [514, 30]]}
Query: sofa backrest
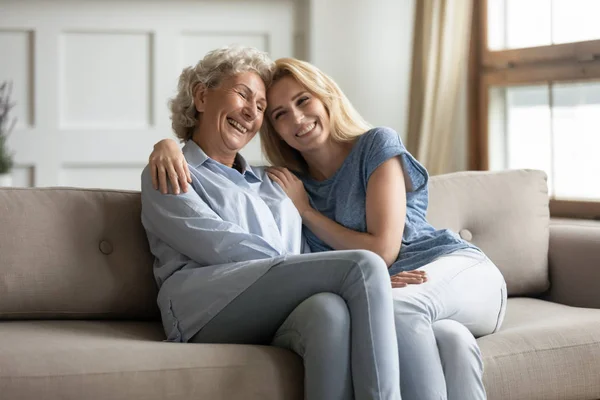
{"points": [[505, 214], [81, 253], [74, 253]]}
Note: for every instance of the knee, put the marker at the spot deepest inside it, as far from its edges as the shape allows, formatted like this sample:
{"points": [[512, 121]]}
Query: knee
{"points": [[370, 263], [317, 326], [454, 339], [325, 315]]}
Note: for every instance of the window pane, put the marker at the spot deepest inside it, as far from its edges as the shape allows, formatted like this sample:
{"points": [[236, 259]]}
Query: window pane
{"points": [[527, 23], [528, 128], [496, 25], [519, 23], [552, 128], [576, 131], [516, 24], [575, 20], [520, 128]]}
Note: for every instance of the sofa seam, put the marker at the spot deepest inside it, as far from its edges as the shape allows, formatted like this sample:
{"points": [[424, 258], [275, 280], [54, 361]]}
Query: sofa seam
{"points": [[69, 188], [476, 174], [544, 350], [120, 372]]}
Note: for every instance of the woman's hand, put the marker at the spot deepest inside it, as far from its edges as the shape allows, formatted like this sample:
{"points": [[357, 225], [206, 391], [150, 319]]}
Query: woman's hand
{"points": [[406, 278], [167, 162], [292, 186]]}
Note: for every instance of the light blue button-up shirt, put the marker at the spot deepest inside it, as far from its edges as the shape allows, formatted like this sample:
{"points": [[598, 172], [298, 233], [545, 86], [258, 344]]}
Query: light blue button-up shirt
{"points": [[216, 240]]}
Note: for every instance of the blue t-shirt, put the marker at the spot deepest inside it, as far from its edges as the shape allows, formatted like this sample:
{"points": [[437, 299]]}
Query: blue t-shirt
{"points": [[342, 198]]}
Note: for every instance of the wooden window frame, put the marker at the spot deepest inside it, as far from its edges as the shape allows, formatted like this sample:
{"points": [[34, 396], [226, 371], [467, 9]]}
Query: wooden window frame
{"points": [[562, 63]]}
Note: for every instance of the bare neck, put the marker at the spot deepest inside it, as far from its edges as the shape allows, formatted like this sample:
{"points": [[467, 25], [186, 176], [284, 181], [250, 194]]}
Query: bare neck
{"points": [[213, 148], [325, 161]]}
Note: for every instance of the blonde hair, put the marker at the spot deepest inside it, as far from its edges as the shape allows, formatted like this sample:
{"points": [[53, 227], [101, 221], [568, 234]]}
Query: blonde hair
{"points": [[210, 71], [346, 124]]}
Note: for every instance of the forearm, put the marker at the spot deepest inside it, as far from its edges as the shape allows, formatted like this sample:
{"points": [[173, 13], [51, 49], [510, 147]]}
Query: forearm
{"points": [[339, 237]]}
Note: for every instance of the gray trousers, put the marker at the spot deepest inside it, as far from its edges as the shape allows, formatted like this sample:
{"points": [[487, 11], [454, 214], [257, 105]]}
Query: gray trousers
{"points": [[330, 308]]}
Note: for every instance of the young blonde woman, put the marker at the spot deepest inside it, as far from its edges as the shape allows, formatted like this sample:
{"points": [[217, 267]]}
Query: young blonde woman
{"points": [[357, 187]]}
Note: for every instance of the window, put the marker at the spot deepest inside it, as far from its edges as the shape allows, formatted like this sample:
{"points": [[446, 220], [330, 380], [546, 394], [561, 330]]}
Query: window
{"points": [[514, 24], [535, 71]]}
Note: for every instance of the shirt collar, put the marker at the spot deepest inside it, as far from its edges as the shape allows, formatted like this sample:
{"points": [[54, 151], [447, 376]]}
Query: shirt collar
{"points": [[195, 156], [246, 167]]}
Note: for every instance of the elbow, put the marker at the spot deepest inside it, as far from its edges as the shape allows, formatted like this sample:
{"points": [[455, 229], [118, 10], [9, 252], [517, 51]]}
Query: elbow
{"points": [[389, 259], [388, 253], [389, 256]]}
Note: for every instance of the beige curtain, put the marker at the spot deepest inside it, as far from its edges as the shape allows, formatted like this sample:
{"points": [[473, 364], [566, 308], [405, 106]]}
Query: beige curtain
{"points": [[440, 57]]}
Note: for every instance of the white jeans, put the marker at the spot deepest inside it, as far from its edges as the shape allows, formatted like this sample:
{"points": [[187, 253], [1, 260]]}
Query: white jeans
{"points": [[437, 322]]}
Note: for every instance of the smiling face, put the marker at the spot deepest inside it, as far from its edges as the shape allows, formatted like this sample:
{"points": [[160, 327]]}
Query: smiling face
{"points": [[298, 116], [232, 114]]}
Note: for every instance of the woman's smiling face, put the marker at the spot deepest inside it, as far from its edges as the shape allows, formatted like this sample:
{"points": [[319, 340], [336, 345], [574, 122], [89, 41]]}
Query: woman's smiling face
{"points": [[298, 116], [233, 111]]}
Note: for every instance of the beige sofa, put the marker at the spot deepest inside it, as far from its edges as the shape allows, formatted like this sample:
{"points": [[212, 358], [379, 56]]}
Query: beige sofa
{"points": [[79, 318]]}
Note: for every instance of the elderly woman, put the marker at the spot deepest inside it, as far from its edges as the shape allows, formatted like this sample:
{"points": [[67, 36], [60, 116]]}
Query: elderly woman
{"points": [[229, 260]]}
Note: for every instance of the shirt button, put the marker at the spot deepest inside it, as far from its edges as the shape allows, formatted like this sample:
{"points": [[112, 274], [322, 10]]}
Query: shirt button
{"points": [[465, 234], [106, 247]]}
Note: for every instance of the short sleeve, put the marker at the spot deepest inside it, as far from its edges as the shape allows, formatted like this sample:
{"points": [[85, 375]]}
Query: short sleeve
{"points": [[382, 143]]}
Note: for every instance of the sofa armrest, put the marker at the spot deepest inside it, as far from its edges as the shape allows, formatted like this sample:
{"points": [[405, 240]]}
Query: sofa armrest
{"points": [[574, 262]]}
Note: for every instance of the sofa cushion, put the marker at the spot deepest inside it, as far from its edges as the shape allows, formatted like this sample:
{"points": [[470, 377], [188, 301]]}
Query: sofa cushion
{"points": [[544, 351], [505, 214], [127, 361], [74, 253], [574, 262]]}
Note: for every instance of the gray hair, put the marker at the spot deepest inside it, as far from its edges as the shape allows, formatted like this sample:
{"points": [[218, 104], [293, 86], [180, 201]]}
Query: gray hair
{"points": [[210, 71]]}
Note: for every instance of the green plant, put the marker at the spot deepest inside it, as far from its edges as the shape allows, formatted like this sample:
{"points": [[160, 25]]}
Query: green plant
{"points": [[6, 126]]}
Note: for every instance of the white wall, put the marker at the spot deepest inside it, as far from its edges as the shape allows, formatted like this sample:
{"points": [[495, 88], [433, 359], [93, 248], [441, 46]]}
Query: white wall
{"points": [[92, 78], [366, 47]]}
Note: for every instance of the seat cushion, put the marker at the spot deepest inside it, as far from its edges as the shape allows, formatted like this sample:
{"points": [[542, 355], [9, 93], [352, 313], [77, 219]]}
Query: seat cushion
{"points": [[128, 361], [543, 351]]}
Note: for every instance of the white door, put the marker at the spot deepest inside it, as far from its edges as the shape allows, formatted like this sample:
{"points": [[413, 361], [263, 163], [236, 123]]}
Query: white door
{"points": [[92, 78]]}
